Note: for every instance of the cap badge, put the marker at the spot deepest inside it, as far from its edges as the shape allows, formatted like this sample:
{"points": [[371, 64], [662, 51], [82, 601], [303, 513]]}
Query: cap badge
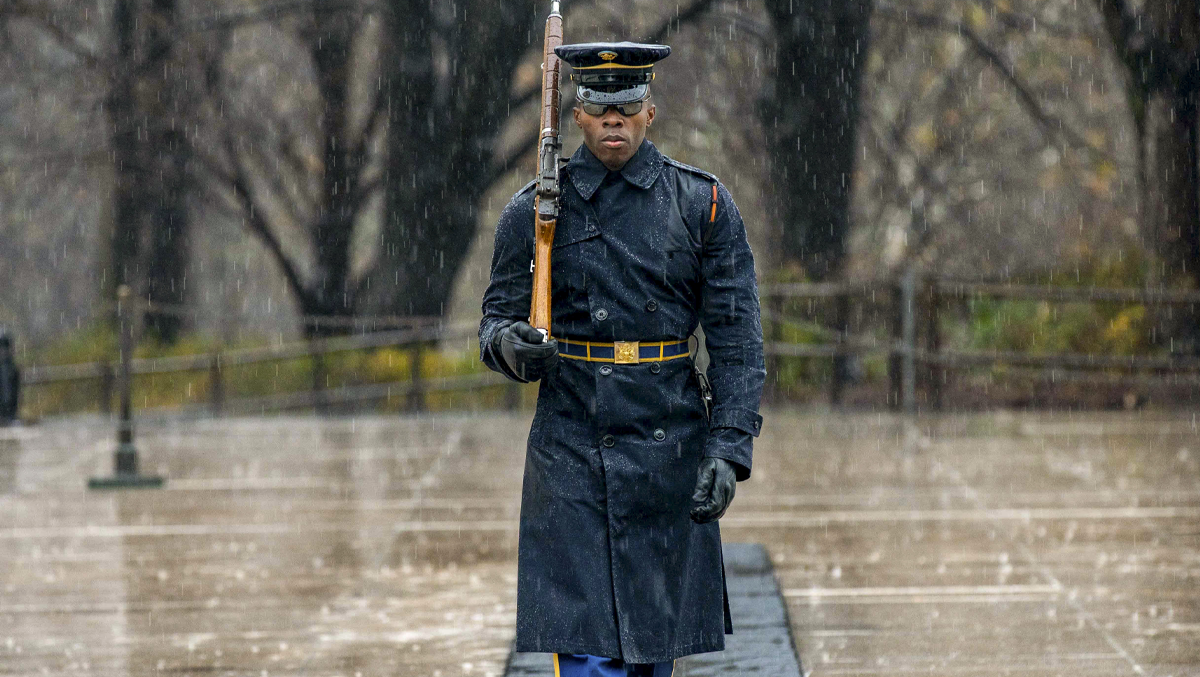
{"points": [[607, 55]]}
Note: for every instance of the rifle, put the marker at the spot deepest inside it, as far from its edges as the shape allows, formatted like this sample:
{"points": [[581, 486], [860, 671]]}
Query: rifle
{"points": [[549, 150]]}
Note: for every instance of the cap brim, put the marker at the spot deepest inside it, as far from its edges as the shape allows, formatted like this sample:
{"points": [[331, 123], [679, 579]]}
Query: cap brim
{"points": [[629, 95]]}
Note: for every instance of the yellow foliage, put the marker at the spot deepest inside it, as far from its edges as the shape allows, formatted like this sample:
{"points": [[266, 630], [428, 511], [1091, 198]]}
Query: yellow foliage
{"points": [[1125, 331], [976, 16], [1100, 179], [389, 364], [924, 136]]}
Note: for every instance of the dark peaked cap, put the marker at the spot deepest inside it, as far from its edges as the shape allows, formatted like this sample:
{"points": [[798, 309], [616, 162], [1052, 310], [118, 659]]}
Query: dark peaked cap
{"points": [[612, 72]]}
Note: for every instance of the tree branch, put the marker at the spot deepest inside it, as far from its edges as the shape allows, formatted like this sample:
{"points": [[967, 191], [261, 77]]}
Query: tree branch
{"points": [[44, 18], [363, 188], [275, 11], [259, 226], [1031, 23], [1049, 123]]}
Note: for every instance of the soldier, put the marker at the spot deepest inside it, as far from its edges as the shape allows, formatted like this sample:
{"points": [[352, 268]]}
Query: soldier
{"points": [[626, 472], [10, 382]]}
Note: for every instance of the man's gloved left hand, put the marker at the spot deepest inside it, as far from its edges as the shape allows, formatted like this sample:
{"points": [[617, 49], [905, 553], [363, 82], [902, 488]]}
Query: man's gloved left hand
{"points": [[716, 482]]}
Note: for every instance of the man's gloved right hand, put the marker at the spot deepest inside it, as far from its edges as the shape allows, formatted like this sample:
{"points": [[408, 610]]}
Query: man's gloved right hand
{"points": [[523, 350]]}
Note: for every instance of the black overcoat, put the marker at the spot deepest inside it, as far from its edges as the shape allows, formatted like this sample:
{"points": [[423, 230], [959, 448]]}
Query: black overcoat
{"points": [[610, 564]]}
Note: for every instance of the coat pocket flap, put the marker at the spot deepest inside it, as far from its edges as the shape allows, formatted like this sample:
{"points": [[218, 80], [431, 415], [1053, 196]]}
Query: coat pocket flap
{"points": [[568, 233]]}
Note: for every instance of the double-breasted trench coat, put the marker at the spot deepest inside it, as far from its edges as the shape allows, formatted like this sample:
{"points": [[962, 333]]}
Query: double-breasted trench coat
{"points": [[609, 562]]}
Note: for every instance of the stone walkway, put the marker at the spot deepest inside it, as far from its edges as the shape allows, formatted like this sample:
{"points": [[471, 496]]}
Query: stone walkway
{"points": [[961, 545], [761, 643]]}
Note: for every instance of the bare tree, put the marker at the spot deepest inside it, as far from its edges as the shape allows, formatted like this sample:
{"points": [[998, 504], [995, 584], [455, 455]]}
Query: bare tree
{"points": [[131, 84], [148, 110], [309, 175], [948, 142]]}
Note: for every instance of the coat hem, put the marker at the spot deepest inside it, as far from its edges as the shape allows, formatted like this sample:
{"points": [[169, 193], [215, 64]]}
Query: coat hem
{"points": [[519, 647], [674, 654]]}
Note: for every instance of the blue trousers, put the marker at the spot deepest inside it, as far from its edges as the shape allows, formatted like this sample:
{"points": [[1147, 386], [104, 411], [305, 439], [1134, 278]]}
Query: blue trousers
{"points": [[583, 665]]}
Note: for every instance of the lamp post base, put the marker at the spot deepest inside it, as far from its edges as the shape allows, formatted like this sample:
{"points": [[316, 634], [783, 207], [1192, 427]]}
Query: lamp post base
{"points": [[127, 482], [125, 475]]}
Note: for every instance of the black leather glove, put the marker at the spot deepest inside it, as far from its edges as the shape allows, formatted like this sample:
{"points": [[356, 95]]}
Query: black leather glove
{"points": [[716, 483], [522, 349]]}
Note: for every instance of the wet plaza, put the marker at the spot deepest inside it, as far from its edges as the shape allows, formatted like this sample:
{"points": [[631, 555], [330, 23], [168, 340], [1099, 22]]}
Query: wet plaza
{"points": [[983, 544]]}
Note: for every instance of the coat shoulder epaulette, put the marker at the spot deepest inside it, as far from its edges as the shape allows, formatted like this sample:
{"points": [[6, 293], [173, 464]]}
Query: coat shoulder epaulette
{"points": [[525, 189], [523, 199], [693, 170]]}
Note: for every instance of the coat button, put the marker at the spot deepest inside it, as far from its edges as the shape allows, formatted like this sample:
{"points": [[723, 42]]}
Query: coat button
{"points": [[602, 314], [651, 305], [605, 370], [655, 367], [608, 440], [659, 434]]}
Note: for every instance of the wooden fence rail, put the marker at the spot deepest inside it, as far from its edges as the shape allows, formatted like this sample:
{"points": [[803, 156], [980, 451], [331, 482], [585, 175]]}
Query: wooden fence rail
{"points": [[913, 305], [318, 396], [909, 298]]}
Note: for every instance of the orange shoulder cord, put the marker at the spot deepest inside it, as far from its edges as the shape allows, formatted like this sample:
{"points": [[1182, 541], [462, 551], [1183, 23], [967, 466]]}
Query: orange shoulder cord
{"points": [[713, 217]]}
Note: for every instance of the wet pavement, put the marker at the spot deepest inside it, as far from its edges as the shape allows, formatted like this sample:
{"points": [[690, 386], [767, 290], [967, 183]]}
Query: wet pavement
{"points": [[1041, 544]]}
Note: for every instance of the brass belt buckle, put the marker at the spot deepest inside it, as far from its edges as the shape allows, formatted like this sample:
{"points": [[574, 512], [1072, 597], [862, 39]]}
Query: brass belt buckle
{"points": [[625, 352]]}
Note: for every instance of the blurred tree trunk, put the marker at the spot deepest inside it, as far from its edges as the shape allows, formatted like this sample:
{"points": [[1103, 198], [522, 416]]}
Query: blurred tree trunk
{"points": [[147, 111], [262, 158], [122, 114], [450, 70], [1159, 46], [346, 188], [810, 113]]}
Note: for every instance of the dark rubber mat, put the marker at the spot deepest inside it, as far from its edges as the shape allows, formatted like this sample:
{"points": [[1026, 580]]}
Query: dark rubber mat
{"points": [[761, 643]]}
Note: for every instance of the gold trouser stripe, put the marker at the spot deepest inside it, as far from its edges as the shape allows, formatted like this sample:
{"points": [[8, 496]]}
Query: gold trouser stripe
{"points": [[557, 674]]}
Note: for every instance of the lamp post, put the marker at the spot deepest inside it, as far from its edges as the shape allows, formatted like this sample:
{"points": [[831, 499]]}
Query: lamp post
{"points": [[125, 457]]}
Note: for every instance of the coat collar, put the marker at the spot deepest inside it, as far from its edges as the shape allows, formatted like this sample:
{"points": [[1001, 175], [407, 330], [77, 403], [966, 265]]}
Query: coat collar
{"points": [[587, 172]]}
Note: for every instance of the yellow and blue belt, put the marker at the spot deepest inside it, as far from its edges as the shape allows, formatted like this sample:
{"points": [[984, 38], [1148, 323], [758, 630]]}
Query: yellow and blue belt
{"points": [[623, 352]]}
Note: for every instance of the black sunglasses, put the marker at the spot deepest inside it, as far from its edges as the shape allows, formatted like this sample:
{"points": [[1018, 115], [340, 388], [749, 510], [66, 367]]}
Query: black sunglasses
{"points": [[598, 109]]}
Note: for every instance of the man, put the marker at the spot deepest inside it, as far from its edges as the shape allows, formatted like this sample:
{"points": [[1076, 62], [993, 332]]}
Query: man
{"points": [[619, 561], [10, 382]]}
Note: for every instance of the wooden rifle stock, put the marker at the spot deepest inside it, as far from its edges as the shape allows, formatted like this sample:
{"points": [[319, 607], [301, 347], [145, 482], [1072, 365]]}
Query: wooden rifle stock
{"points": [[549, 150]]}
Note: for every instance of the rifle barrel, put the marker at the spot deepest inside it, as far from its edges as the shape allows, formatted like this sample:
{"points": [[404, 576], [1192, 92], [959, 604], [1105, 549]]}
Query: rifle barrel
{"points": [[549, 147]]}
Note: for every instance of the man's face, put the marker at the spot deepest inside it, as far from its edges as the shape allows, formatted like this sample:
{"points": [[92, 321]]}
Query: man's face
{"points": [[614, 138]]}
